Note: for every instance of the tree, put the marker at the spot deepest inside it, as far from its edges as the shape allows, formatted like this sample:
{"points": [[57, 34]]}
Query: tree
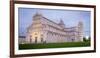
{"points": [[84, 39]]}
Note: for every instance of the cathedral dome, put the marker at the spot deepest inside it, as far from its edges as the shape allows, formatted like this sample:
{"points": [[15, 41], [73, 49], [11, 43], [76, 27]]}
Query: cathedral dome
{"points": [[61, 23]]}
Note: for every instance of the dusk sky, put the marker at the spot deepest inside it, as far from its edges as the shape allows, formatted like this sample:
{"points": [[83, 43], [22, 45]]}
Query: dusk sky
{"points": [[70, 18]]}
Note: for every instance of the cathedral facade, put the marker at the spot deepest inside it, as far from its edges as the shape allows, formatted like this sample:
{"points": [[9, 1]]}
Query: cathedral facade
{"points": [[43, 30]]}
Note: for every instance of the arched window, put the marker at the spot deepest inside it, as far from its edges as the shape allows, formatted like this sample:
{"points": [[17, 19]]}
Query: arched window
{"points": [[35, 33], [41, 39], [30, 39]]}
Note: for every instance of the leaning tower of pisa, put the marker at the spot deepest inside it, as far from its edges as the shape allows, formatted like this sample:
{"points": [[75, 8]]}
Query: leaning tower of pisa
{"points": [[80, 31]]}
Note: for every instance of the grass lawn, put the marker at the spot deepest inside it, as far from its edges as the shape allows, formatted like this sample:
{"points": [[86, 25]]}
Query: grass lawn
{"points": [[53, 45]]}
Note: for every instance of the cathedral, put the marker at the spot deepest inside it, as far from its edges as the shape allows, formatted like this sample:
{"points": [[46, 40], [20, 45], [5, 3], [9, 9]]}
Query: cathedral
{"points": [[44, 30]]}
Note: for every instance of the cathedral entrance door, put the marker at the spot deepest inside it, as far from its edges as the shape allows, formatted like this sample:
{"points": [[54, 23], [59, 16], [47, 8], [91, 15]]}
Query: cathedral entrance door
{"points": [[35, 39]]}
